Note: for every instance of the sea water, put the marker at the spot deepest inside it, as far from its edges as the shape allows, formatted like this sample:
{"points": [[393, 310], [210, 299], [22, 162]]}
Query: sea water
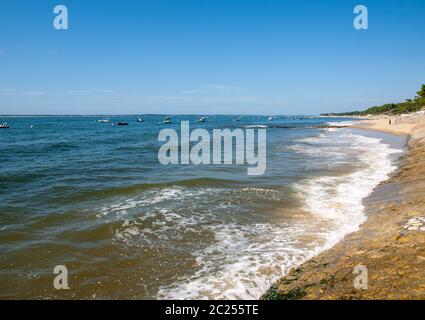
{"points": [[93, 197]]}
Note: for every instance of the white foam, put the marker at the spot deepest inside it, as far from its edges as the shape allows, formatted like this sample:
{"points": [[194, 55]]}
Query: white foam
{"points": [[341, 123], [255, 126], [246, 259], [339, 199], [145, 199]]}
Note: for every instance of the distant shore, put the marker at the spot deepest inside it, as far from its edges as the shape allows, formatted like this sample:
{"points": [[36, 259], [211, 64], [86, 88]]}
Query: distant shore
{"points": [[390, 244]]}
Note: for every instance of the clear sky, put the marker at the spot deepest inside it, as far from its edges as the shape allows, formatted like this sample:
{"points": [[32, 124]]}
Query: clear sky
{"points": [[208, 56]]}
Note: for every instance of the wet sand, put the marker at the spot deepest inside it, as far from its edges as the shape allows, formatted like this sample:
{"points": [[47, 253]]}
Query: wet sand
{"points": [[390, 244]]}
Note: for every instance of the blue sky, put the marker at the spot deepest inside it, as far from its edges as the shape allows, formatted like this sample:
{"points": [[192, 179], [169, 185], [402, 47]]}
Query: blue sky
{"points": [[208, 57]]}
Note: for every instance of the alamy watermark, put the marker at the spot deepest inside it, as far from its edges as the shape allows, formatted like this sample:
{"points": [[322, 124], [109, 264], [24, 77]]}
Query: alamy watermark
{"points": [[60, 22], [218, 149], [361, 20], [200, 153], [361, 281], [60, 282]]}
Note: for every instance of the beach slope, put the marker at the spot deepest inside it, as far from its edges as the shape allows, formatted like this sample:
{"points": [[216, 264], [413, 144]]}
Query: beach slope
{"points": [[390, 244]]}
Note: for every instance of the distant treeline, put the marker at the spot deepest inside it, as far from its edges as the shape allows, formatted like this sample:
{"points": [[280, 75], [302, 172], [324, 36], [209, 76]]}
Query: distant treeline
{"points": [[409, 105]]}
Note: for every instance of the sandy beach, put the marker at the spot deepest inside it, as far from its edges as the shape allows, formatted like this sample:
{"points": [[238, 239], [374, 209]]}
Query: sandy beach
{"points": [[390, 244]]}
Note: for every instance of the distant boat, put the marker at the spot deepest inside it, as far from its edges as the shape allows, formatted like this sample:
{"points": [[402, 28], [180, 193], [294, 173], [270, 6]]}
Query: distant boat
{"points": [[270, 118], [202, 119], [167, 120], [123, 123], [103, 121], [140, 120], [4, 126]]}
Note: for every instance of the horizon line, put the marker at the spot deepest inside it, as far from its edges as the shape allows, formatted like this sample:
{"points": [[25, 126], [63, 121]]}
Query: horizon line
{"points": [[150, 114]]}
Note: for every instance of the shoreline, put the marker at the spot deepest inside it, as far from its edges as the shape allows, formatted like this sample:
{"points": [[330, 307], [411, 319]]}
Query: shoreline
{"points": [[390, 244]]}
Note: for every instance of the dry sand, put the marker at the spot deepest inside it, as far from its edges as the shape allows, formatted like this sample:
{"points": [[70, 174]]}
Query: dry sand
{"points": [[390, 244], [407, 125]]}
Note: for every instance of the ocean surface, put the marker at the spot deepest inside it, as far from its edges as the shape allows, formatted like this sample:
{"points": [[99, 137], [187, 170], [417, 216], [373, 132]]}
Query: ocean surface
{"points": [[93, 197]]}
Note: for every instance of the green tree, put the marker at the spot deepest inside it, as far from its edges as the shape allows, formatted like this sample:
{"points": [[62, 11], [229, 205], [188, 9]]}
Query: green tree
{"points": [[421, 93]]}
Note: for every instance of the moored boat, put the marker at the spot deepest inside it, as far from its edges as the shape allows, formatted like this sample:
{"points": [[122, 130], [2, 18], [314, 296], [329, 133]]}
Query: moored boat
{"points": [[167, 120]]}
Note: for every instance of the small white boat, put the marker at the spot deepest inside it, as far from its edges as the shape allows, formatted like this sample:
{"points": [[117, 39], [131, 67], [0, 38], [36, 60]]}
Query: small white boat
{"points": [[103, 121], [202, 119], [4, 126], [270, 119], [167, 120], [140, 120]]}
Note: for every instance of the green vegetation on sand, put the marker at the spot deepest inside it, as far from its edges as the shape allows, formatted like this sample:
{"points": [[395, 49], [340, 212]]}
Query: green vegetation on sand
{"points": [[410, 105]]}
